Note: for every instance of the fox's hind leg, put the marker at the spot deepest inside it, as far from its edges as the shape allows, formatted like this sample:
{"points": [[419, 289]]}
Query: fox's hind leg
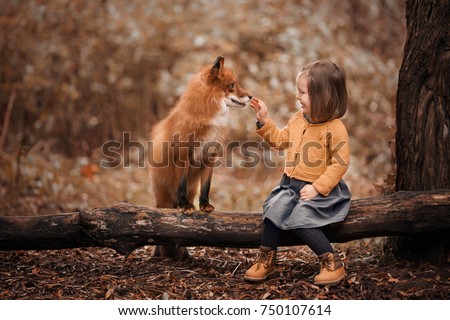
{"points": [[164, 199], [185, 197], [171, 252]]}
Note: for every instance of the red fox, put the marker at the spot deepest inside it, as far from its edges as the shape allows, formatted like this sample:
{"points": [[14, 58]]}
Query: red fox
{"points": [[183, 142]]}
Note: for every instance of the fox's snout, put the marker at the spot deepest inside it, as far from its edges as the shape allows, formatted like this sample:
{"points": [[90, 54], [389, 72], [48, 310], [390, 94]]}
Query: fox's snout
{"points": [[238, 97]]}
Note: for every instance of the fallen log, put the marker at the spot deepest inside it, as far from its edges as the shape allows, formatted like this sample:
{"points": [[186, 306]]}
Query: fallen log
{"points": [[125, 226]]}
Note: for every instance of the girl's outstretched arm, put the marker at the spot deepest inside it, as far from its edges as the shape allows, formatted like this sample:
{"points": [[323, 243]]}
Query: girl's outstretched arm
{"points": [[277, 138]]}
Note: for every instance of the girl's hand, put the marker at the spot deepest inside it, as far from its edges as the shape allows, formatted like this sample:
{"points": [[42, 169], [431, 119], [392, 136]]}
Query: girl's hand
{"points": [[260, 110], [308, 192]]}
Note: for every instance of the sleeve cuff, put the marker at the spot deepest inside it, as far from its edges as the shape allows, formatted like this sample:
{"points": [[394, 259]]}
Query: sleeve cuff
{"points": [[323, 191]]}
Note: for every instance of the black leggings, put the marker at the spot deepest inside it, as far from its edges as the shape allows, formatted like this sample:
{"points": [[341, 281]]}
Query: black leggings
{"points": [[313, 237]]}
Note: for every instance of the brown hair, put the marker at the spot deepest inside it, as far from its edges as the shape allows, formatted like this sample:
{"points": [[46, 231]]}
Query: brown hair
{"points": [[326, 89]]}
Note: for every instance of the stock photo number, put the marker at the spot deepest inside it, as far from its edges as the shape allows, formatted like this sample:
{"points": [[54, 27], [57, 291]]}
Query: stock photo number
{"points": [[295, 310]]}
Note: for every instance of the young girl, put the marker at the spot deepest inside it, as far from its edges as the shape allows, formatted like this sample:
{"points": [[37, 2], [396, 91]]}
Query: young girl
{"points": [[311, 193]]}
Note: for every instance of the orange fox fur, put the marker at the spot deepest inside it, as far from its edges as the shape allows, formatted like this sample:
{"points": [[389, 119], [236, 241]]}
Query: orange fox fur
{"points": [[178, 140]]}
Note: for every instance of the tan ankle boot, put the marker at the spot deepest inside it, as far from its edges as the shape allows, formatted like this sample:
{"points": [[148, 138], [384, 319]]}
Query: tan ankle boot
{"points": [[264, 267], [332, 270]]}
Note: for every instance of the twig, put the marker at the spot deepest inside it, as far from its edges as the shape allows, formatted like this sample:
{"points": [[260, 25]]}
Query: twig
{"points": [[234, 271], [5, 126]]}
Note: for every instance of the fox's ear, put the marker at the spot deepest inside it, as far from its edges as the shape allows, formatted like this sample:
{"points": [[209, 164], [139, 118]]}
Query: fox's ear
{"points": [[217, 66]]}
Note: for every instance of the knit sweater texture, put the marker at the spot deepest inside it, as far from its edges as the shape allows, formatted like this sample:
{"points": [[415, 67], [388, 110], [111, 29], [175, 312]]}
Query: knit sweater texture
{"points": [[315, 153]]}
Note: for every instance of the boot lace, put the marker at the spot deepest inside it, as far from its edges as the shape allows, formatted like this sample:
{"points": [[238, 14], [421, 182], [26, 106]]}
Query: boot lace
{"points": [[328, 264], [331, 263], [262, 259]]}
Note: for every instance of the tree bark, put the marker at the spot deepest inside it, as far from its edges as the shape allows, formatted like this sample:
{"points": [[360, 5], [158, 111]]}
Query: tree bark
{"points": [[423, 118], [125, 227], [423, 99]]}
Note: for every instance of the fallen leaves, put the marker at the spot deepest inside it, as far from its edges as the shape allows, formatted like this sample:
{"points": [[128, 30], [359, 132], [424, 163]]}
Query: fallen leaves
{"points": [[109, 292], [211, 273]]}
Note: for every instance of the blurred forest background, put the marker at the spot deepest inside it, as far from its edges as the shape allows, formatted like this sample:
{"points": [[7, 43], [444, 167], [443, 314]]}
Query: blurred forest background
{"points": [[75, 74]]}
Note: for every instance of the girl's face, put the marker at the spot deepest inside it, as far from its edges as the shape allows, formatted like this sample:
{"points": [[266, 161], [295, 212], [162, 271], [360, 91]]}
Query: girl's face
{"points": [[302, 94]]}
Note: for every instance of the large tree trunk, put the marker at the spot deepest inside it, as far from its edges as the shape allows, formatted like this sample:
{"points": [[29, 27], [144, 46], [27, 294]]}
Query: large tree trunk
{"points": [[125, 227], [423, 117]]}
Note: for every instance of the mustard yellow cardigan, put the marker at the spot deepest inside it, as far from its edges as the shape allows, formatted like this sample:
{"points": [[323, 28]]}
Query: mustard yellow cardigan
{"points": [[316, 153]]}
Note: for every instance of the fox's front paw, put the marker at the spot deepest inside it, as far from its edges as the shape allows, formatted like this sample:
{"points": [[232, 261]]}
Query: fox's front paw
{"points": [[206, 207], [187, 208]]}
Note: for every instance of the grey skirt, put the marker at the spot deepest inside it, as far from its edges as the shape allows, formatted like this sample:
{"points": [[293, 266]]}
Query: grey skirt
{"points": [[286, 210]]}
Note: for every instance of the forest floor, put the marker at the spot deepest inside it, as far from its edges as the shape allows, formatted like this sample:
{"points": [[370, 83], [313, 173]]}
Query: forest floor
{"points": [[212, 273]]}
